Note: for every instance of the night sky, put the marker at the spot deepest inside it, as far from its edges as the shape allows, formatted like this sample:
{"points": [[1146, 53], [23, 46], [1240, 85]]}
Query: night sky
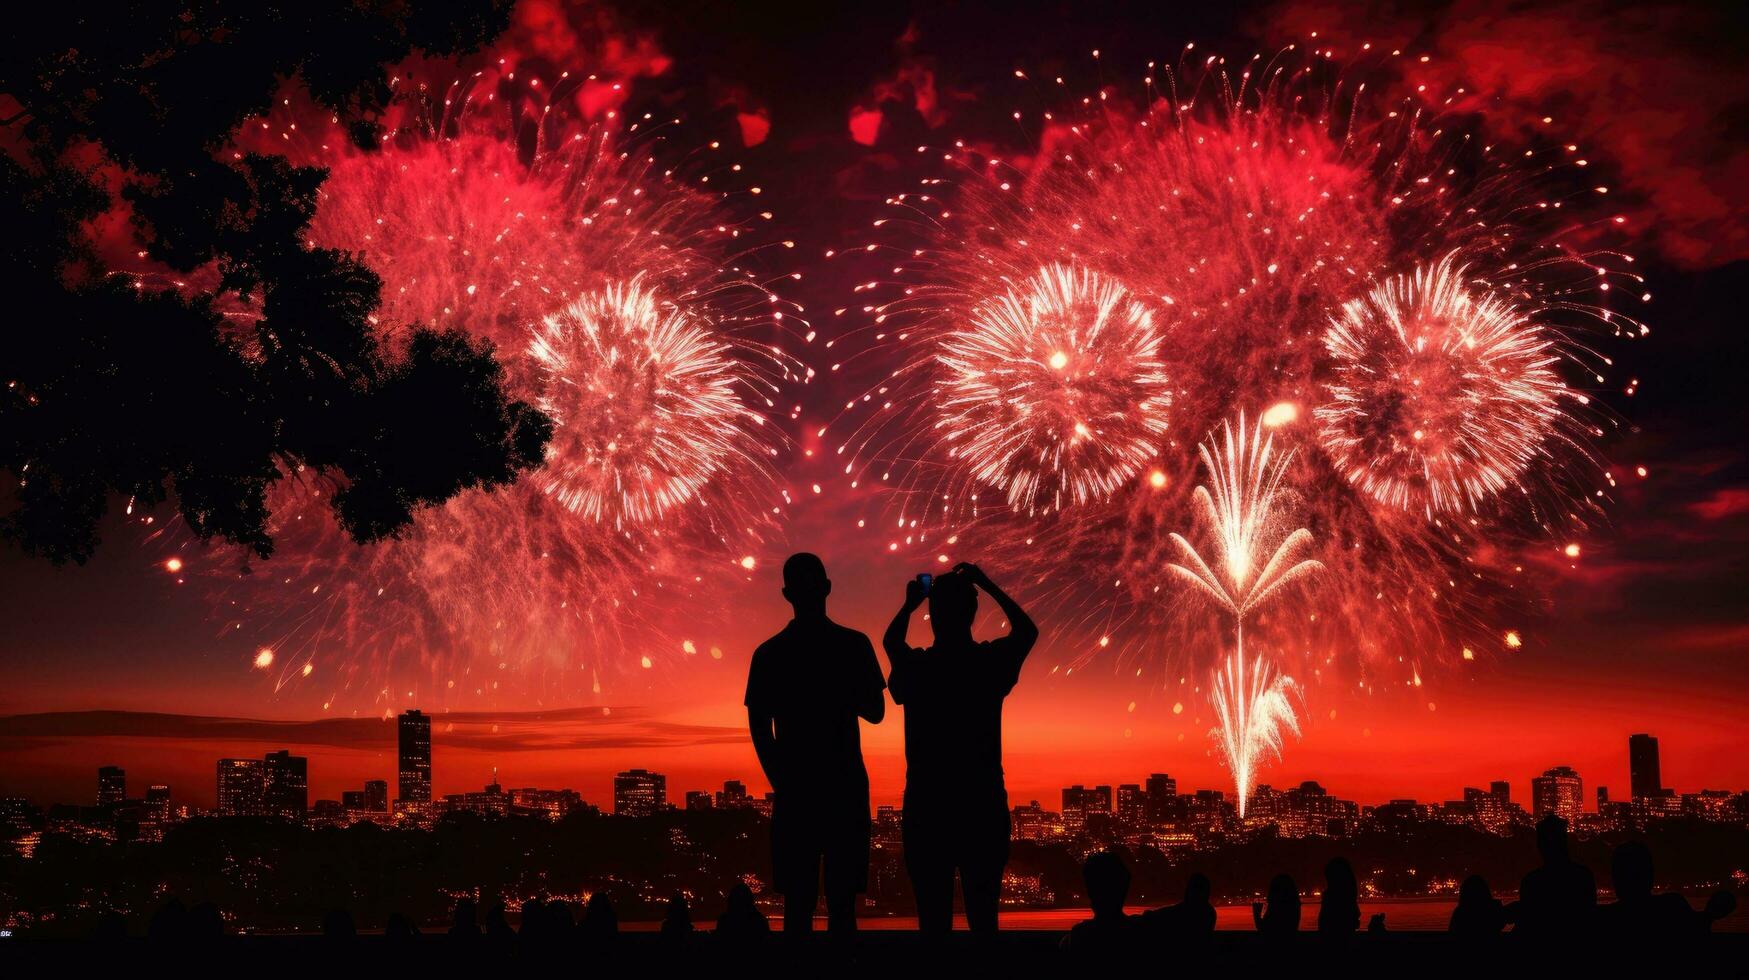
{"points": [[1647, 631]]}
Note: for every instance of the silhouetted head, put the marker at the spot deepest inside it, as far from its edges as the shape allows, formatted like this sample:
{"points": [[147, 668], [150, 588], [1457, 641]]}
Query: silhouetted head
{"points": [[338, 924], [1551, 839], [467, 914], [740, 899], [1108, 883], [1720, 904], [1474, 891], [1283, 892], [1339, 880], [204, 921], [805, 584], [1197, 889], [953, 602], [678, 911], [1630, 871]]}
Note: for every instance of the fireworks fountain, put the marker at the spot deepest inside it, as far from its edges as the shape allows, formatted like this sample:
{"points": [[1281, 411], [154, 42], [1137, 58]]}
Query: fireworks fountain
{"points": [[1239, 505]]}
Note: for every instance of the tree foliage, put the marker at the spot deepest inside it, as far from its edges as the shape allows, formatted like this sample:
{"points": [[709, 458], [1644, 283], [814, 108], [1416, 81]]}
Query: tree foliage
{"points": [[112, 122]]}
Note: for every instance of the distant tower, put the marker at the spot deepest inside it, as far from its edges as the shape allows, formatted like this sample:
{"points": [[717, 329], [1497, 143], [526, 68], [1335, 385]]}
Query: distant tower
{"points": [[415, 758], [1558, 791], [240, 787], [112, 785], [376, 795], [1501, 790], [1644, 778], [285, 785], [639, 792]]}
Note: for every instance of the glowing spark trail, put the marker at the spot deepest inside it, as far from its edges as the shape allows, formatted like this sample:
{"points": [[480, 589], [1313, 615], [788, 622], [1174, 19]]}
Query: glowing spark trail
{"points": [[1239, 505]]}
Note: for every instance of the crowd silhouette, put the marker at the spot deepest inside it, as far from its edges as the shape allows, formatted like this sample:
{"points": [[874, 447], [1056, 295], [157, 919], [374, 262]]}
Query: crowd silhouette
{"points": [[1557, 915]]}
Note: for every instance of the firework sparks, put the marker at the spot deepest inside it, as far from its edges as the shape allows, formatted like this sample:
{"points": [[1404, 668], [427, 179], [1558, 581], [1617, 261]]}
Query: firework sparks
{"points": [[1245, 210], [644, 404], [1441, 398], [610, 291], [1239, 505], [1055, 393]]}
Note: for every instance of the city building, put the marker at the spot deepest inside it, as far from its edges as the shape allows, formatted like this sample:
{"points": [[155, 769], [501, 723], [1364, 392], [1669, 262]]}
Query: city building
{"points": [[1162, 792], [285, 785], [698, 799], [1645, 780], [639, 793], [733, 795], [240, 786], [376, 796], [1132, 809], [1079, 801], [1558, 791], [414, 758], [112, 785]]}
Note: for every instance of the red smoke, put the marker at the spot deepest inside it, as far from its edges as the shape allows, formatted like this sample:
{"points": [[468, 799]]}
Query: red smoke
{"points": [[1649, 91]]}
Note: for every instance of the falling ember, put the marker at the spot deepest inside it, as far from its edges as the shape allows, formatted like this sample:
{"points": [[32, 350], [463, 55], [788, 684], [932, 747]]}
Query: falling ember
{"points": [[173, 565], [263, 658], [1513, 640], [1280, 414], [747, 562], [1571, 551]]}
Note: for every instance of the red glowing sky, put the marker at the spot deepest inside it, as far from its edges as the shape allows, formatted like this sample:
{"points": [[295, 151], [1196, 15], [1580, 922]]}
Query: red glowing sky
{"points": [[1647, 631]]}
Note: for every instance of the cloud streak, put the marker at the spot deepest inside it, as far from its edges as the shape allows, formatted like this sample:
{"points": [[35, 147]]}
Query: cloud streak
{"points": [[520, 731]]}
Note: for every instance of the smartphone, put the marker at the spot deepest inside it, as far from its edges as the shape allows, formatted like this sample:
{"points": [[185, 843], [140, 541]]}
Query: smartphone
{"points": [[925, 579]]}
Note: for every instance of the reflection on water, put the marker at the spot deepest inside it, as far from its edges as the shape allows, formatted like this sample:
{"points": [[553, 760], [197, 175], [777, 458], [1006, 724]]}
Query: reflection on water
{"points": [[1403, 915]]}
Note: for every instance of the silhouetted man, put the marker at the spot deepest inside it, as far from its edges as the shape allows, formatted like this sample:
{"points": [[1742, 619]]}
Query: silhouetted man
{"points": [[956, 804], [805, 690], [1557, 899]]}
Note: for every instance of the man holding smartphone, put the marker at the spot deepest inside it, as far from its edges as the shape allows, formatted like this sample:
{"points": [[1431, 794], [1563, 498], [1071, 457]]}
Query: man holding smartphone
{"points": [[956, 803], [806, 688]]}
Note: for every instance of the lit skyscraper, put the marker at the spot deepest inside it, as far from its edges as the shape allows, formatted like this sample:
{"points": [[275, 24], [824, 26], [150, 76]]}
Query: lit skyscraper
{"points": [[1558, 791], [376, 795], [639, 792], [415, 758], [240, 785], [1645, 780], [112, 785], [285, 785], [1131, 805]]}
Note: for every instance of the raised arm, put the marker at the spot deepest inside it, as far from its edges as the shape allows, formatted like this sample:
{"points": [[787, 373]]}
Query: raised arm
{"points": [[1020, 625], [899, 652]]}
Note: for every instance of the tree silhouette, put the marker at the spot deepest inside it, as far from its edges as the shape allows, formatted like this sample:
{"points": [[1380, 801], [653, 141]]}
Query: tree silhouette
{"points": [[114, 113]]}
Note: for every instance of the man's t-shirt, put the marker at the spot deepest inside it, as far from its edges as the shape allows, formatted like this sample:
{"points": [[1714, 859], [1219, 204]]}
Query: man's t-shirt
{"points": [[953, 713], [811, 678]]}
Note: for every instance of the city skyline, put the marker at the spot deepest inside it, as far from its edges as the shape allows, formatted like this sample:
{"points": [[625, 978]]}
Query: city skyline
{"points": [[277, 785]]}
